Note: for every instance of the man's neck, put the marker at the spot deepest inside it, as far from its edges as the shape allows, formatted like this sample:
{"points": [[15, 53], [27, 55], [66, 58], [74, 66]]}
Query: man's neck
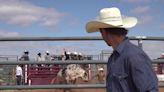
{"points": [[117, 41]]}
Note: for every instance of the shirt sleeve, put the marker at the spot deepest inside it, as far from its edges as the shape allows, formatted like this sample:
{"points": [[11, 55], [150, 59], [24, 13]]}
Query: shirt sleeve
{"points": [[142, 72]]}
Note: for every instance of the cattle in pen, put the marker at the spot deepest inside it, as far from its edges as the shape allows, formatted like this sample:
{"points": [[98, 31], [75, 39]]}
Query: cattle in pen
{"points": [[70, 74]]}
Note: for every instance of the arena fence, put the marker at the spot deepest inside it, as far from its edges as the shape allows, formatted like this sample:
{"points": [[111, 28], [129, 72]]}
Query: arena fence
{"points": [[139, 38], [60, 86]]}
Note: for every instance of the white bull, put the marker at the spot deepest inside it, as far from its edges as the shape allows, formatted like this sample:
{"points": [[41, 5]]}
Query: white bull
{"points": [[70, 74]]}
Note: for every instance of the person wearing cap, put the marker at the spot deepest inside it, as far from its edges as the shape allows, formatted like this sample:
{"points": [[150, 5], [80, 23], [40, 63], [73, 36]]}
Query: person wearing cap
{"points": [[129, 68], [162, 55], [47, 57], [100, 76], [75, 56], [80, 57], [159, 66], [39, 58], [25, 56]]}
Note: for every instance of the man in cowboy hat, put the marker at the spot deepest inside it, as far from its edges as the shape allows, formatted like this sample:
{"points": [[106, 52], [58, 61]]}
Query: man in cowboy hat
{"points": [[129, 69]]}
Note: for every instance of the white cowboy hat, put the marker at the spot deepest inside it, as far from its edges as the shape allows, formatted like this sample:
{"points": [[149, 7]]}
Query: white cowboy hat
{"points": [[25, 51], [75, 53], [100, 69], [68, 52], [110, 18], [47, 52], [80, 53]]}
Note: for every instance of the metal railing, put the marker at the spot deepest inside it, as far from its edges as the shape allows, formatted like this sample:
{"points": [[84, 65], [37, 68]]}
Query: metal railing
{"points": [[81, 86], [74, 38], [139, 38], [61, 86], [68, 62]]}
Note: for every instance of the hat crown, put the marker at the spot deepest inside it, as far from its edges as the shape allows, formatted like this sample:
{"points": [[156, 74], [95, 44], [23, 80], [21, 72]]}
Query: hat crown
{"points": [[47, 51], [75, 53], [100, 69], [68, 52], [111, 16]]}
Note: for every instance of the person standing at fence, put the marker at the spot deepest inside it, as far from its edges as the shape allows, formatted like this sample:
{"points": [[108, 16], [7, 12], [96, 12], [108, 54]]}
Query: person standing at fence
{"points": [[159, 66], [19, 75], [129, 69], [25, 57], [39, 58], [100, 76], [80, 57], [67, 55], [47, 57]]}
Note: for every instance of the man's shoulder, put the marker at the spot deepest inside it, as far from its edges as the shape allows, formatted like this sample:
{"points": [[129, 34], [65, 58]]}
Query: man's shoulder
{"points": [[132, 49], [134, 52]]}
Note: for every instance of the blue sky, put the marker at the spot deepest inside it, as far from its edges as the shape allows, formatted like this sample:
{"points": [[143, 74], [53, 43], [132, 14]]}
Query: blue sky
{"points": [[67, 18]]}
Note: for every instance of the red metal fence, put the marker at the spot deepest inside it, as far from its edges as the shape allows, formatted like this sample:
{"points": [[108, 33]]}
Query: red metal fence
{"points": [[41, 75]]}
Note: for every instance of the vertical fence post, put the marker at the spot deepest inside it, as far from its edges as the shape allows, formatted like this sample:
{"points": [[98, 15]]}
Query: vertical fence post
{"points": [[140, 43]]}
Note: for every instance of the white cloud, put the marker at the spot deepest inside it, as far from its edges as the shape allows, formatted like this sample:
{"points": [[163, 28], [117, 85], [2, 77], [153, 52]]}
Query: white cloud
{"points": [[143, 14], [162, 26], [21, 12], [141, 9], [8, 34], [145, 19], [136, 1], [141, 1]]}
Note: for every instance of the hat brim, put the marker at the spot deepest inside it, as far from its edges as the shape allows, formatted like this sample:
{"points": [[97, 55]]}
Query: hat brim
{"points": [[94, 26], [101, 69]]}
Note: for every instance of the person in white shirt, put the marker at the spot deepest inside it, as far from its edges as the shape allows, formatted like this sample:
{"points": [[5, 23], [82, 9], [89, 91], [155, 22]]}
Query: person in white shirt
{"points": [[47, 57], [39, 58], [19, 74]]}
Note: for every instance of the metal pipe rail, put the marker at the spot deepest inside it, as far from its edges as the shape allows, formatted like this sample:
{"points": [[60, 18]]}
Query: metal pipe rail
{"points": [[161, 61], [73, 38], [60, 86], [54, 62], [50, 38], [68, 62], [80, 86]]}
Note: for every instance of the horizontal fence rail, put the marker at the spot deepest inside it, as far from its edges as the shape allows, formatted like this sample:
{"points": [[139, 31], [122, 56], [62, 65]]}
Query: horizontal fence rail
{"points": [[139, 38], [61, 86], [53, 62], [66, 62], [80, 86], [74, 38]]}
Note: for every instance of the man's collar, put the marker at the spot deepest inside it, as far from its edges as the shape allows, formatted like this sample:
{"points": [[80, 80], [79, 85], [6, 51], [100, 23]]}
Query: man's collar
{"points": [[121, 46]]}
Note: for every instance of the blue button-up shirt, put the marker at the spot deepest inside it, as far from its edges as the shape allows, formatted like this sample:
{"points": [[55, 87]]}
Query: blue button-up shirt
{"points": [[129, 69]]}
